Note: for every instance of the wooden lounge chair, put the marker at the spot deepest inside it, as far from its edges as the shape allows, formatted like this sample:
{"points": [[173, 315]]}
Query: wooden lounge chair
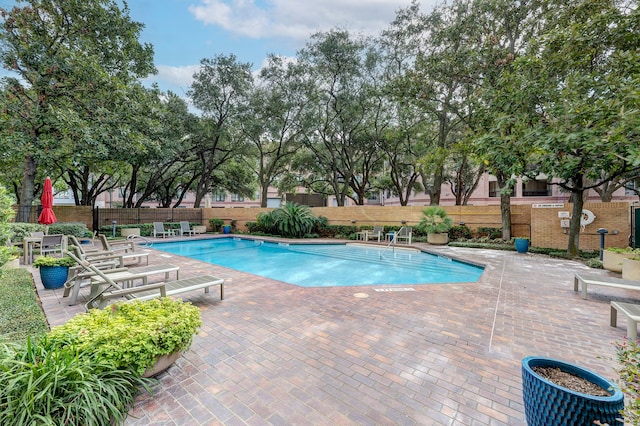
{"points": [[125, 249], [120, 275], [116, 245], [185, 228], [587, 280], [113, 290]]}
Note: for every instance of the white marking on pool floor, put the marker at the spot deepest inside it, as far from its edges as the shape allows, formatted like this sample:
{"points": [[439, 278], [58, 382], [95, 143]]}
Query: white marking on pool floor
{"points": [[396, 289]]}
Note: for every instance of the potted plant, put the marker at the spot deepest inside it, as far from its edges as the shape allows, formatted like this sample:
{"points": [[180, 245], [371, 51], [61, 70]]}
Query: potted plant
{"points": [[560, 393], [144, 336], [612, 257], [631, 268], [436, 223], [53, 270], [522, 244]]}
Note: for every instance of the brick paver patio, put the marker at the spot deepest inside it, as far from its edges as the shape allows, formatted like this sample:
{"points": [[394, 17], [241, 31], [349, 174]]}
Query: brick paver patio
{"points": [[446, 354]]}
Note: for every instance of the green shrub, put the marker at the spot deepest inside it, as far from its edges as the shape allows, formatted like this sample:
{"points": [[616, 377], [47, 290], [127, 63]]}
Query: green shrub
{"points": [[77, 229], [44, 385], [594, 263], [623, 250], [435, 220], [321, 227], [491, 233], [19, 230], [216, 224], [131, 335], [628, 352], [458, 232], [53, 261], [21, 314]]}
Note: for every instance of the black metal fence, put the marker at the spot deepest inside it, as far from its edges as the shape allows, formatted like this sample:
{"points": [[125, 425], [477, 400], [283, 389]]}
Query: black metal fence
{"points": [[107, 217], [634, 234]]}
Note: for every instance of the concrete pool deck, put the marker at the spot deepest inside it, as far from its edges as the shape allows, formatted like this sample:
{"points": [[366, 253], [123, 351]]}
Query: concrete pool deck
{"points": [[436, 354]]}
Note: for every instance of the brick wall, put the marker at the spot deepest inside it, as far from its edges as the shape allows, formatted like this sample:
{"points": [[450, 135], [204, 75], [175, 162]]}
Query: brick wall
{"points": [[538, 222], [547, 232]]}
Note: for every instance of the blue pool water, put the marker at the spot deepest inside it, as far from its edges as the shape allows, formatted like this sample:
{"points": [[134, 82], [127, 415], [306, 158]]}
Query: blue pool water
{"points": [[326, 265]]}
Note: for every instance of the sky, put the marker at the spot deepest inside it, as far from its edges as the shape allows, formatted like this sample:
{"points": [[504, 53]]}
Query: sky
{"points": [[183, 32]]}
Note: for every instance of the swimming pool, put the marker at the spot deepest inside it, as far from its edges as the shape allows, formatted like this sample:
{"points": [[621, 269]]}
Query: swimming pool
{"points": [[326, 265]]}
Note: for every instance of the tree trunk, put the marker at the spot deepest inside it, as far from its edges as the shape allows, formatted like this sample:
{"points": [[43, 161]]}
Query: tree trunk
{"points": [[265, 193], [26, 190], [577, 198], [505, 207]]}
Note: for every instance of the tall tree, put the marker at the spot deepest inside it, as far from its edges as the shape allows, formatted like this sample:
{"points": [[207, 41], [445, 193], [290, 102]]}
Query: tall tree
{"points": [[585, 73], [273, 121], [441, 79], [507, 28], [338, 64], [220, 90], [64, 52]]}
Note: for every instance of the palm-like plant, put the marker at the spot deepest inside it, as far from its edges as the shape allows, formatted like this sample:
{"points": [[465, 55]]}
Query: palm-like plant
{"points": [[435, 220], [294, 220]]}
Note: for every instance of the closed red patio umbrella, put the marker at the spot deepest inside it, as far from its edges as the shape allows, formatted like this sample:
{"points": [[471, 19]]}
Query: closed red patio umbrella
{"points": [[47, 217]]}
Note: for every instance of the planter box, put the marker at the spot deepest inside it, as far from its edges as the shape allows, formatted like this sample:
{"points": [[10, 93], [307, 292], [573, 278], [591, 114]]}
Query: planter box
{"points": [[438, 239], [631, 269], [162, 364], [125, 232], [200, 229], [548, 404], [612, 260]]}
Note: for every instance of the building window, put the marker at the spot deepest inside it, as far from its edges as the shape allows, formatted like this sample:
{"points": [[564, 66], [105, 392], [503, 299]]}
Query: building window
{"points": [[494, 189], [236, 197], [220, 196], [536, 188], [632, 188]]}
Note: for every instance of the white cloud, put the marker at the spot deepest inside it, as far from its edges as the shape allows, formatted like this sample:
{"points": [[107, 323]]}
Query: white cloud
{"points": [[298, 19], [176, 76]]}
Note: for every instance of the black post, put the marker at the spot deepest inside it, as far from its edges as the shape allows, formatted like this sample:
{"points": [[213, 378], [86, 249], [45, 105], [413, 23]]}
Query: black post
{"points": [[602, 233]]}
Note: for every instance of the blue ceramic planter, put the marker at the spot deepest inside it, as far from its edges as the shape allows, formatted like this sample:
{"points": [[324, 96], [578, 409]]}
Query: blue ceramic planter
{"points": [[53, 276], [226, 229], [522, 245], [547, 404]]}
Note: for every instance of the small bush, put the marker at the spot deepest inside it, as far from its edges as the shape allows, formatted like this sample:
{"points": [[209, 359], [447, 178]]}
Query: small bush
{"points": [[45, 385], [594, 263], [458, 232], [131, 335], [628, 353], [491, 233], [216, 224], [77, 229]]}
